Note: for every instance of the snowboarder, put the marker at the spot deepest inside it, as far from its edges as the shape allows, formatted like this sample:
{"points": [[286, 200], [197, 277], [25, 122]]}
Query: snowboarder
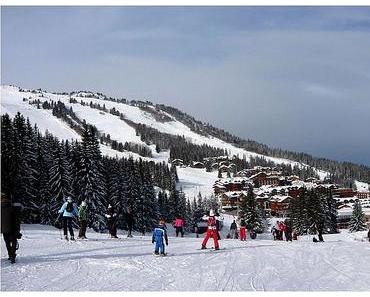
{"points": [[129, 221], [82, 217], [160, 237], [233, 230], [243, 230], [211, 230], [68, 211], [10, 225], [111, 216], [179, 226]]}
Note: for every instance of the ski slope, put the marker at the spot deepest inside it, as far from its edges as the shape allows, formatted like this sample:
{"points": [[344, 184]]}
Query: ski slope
{"points": [[12, 101], [46, 263]]}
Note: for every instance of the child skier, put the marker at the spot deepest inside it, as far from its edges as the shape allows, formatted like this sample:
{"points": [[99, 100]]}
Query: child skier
{"points": [[68, 212], [243, 230], [159, 237], [211, 230]]}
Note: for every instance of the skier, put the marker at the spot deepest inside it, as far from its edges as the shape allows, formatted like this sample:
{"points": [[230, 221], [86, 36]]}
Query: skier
{"points": [[111, 216], [211, 230], [278, 233], [274, 231], [319, 228], [129, 221], [288, 231], [68, 211], [368, 235], [83, 216], [160, 237], [253, 234], [10, 225], [243, 230], [233, 230], [179, 226]]}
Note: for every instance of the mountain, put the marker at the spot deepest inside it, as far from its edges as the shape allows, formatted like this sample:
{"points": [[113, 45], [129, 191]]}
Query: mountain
{"points": [[159, 133]]}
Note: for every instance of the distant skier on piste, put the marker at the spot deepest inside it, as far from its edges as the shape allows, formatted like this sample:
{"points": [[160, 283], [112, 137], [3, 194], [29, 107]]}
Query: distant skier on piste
{"points": [[211, 230], [68, 211], [160, 237]]}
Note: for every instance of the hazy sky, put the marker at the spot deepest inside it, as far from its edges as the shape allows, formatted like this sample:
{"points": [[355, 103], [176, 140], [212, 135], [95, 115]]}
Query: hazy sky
{"points": [[295, 78]]}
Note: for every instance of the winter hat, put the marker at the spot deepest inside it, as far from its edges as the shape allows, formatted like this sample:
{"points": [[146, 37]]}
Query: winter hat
{"points": [[83, 203], [69, 199], [211, 213]]}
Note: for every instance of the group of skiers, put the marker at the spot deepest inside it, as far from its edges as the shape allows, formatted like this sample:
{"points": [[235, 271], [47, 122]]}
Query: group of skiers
{"points": [[69, 211], [283, 230], [10, 226], [233, 234]]}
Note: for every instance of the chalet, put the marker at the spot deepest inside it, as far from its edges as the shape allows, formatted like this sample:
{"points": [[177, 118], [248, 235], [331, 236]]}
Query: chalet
{"points": [[279, 205], [363, 195], [263, 179], [223, 168], [231, 200], [198, 165], [177, 162], [343, 192]]}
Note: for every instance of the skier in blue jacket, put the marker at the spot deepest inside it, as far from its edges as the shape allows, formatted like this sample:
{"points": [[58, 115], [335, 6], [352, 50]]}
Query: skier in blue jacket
{"points": [[159, 237], [68, 211]]}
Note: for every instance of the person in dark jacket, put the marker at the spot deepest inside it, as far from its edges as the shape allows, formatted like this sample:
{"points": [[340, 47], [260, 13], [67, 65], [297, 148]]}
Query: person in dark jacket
{"points": [[129, 221], [288, 230], [111, 216], [160, 237], [233, 230], [83, 215], [10, 225], [368, 235]]}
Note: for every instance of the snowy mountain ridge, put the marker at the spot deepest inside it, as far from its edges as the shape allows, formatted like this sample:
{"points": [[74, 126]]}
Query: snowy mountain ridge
{"points": [[113, 117]]}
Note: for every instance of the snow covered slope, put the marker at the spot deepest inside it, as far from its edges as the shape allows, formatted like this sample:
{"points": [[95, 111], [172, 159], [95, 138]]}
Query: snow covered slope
{"points": [[12, 101], [46, 263]]}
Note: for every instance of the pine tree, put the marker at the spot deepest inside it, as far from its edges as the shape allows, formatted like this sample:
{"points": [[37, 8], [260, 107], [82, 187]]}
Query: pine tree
{"points": [[357, 222], [248, 210]]}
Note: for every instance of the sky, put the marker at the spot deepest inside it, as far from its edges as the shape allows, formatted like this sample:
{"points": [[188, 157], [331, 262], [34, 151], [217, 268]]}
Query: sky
{"points": [[297, 78]]}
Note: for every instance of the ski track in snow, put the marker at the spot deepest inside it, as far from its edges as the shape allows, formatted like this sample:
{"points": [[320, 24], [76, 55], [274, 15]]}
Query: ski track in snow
{"points": [[46, 263]]}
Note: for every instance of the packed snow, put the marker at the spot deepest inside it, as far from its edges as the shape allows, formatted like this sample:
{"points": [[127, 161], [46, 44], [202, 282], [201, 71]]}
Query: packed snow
{"points": [[362, 187], [47, 263], [193, 181]]}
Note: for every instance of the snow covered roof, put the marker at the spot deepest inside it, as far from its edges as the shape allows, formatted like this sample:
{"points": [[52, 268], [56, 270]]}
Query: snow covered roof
{"points": [[280, 198]]}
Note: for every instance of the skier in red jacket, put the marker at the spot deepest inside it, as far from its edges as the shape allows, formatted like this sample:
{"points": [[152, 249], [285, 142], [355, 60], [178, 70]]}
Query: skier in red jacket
{"points": [[211, 230]]}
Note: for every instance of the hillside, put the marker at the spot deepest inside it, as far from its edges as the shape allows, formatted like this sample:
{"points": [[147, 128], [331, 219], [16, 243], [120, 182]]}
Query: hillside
{"points": [[152, 132]]}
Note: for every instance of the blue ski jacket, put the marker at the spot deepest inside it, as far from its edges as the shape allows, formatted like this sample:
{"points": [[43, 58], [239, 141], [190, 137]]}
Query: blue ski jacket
{"points": [[160, 234], [63, 210]]}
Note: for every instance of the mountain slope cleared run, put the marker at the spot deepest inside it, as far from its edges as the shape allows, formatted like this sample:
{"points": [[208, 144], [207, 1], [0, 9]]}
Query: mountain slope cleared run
{"points": [[47, 263]]}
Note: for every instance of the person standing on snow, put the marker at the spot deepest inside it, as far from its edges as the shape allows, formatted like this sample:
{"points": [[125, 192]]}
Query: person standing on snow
{"points": [[179, 226], [160, 237], [233, 230], [243, 230], [10, 225], [68, 211], [368, 235], [129, 221], [211, 230], [111, 216], [82, 217]]}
